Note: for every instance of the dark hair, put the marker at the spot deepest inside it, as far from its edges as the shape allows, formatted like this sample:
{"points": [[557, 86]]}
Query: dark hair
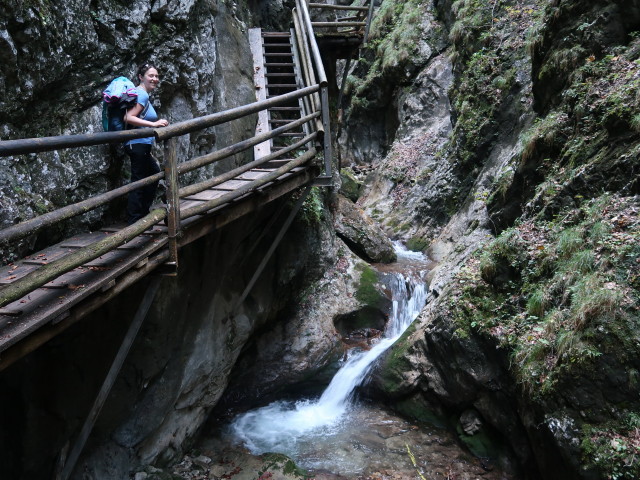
{"points": [[142, 69]]}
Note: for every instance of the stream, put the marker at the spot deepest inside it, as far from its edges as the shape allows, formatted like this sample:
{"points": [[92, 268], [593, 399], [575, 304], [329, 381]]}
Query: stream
{"points": [[336, 436], [294, 428]]}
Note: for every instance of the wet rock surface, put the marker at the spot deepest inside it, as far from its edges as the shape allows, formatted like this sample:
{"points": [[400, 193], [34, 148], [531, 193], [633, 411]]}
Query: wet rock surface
{"points": [[371, 444]]}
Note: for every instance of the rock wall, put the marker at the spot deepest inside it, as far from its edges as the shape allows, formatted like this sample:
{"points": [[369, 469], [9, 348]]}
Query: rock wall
{"points": [[514, 143]]}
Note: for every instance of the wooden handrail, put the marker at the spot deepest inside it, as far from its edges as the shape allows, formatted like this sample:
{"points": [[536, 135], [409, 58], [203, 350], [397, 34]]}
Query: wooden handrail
{"points": [[35, 145], [337, 7], [241, 146], [35, 224], [315, 51], [45, 144], [189, 126]]}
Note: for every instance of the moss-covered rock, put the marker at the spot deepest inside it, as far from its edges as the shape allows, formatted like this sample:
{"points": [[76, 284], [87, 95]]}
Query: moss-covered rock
{"points": [[350, 186]]}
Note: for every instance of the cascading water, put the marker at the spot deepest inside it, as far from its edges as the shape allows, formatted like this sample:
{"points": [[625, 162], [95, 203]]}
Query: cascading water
{"points": [[289, 427]]}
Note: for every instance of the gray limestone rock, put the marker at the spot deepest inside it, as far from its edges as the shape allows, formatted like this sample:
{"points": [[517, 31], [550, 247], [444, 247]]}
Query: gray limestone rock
{"points": [[361, 234]]}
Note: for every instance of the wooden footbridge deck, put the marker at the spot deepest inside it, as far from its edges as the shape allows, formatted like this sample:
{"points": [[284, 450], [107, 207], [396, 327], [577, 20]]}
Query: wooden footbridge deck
{"points": [[46, 292]]}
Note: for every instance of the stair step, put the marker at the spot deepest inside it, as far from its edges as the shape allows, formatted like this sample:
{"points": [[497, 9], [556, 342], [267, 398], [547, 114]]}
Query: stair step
{"points": [[268, 64], [278, 54], [275, 34], [279, 74]]}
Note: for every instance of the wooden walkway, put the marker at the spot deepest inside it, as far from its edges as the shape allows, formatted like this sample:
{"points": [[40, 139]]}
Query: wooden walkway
{"points": [[37, 317], [293, 112]]}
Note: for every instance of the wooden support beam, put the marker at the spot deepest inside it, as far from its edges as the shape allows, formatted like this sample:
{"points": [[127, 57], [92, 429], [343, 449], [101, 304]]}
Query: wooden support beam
{"points": [[130, 336], [173, 199]]}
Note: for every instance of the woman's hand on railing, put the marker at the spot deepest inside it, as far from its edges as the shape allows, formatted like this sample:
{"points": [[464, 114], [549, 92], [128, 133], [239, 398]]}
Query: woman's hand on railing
{"points": [[163, 122]]}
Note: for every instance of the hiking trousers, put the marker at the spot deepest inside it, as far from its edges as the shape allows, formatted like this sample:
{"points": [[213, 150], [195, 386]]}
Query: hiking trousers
{"points": [[142, 165]]}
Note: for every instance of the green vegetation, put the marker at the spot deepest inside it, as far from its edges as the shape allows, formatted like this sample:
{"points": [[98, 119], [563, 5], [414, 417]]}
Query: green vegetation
{"points": [[562, 297], [313, 207], [487, 46], [614, 447], [417, 244], [546, 289], [395, 36], [351, 187], [591, 130], [367, 292]]}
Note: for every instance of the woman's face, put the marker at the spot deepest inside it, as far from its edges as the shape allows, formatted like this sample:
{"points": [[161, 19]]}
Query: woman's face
{"points": [[150, 79]]}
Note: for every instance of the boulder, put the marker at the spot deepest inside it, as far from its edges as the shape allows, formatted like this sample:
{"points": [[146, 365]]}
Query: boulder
{"points": [[361, 234]]}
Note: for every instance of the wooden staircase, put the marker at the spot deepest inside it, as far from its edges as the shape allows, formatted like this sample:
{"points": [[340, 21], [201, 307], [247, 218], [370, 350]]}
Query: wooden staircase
{"points": [[276, 72]]}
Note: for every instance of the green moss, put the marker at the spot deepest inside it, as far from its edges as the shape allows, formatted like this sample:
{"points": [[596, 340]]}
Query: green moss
{"points": [[313, 207], [416, 408], [417, 244], [395, 35], [367, 292], [481, 444], [277, 461], [351, 187]]}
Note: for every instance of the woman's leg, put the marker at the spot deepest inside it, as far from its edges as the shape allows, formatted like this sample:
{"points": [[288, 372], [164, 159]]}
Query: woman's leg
{"points": [[142, 166]]}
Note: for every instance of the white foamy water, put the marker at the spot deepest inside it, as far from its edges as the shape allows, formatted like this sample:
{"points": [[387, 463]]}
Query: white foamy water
{"points": [[282, 426]]}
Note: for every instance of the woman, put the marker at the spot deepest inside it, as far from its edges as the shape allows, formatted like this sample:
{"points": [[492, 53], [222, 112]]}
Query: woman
{"points": [[143, 115]]}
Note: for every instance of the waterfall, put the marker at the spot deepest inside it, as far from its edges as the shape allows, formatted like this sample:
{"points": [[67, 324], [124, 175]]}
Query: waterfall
{"points": [[278, 426]]}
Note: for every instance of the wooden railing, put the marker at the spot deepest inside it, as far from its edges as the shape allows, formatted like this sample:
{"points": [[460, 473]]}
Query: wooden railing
{"points": [[316, 115], [356, 21]]}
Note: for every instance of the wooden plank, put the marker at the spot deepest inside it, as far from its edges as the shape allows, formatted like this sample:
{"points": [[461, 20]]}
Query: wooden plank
{"points": [[43, 305], [17, 271], [275, 34], [251, 175], [231, 184], [259, 81]]}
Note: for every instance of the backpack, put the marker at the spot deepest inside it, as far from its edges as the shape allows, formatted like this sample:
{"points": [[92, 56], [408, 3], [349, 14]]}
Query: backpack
{"points": [[118, 97]]}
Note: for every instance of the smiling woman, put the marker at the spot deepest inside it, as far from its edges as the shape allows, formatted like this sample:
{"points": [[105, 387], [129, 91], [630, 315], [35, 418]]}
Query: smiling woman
{"points": [[143, 115]]}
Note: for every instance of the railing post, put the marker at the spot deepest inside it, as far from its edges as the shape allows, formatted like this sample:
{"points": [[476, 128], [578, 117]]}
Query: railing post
{"points": [[369, 18], [324, 94], [173, 200]]}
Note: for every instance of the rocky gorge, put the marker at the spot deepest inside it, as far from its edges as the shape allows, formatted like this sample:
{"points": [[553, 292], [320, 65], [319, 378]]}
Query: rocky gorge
{"points": [[499, 137]]}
